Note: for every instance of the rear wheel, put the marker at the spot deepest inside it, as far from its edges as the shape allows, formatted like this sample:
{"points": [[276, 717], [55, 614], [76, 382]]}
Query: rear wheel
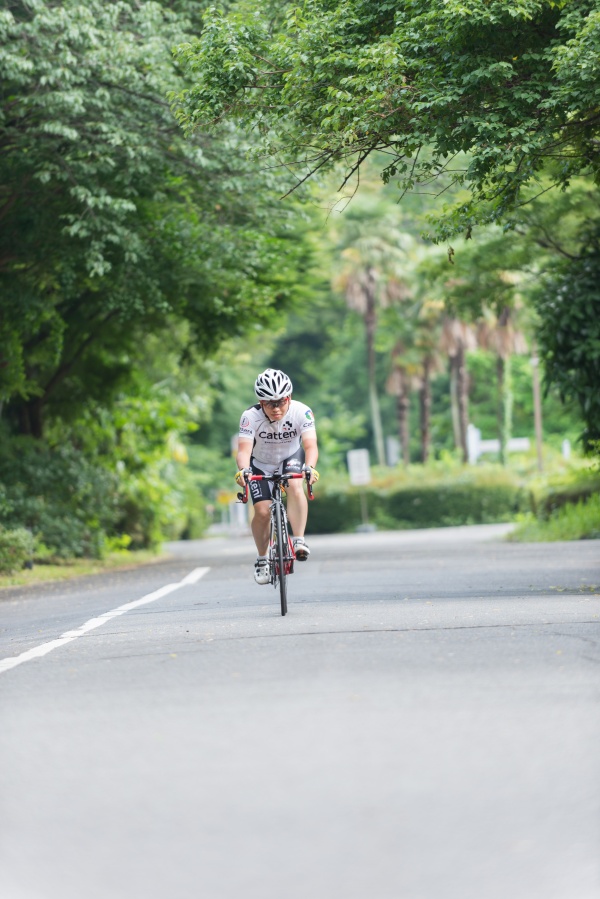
{"points": [[281, 551]]}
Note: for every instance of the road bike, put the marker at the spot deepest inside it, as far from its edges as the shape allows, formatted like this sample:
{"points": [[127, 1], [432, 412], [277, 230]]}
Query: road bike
{"points": [[281, 555]]}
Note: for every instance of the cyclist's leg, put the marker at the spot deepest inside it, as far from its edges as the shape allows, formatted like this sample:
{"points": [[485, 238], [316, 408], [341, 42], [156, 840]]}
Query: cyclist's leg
{"points": [[297, 508], [260, 491], [297, 504], [260, 526]]}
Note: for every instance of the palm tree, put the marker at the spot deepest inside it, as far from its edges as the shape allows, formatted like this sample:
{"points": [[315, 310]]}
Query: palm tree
{"points": [[361, 295], [456, 338], [404, 377], [415, 359], [372, 253], [500, 335], [428, 343]]}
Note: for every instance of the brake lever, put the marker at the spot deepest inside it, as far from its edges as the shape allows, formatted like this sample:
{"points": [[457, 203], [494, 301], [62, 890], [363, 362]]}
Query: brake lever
{"points": [[309, 489]]}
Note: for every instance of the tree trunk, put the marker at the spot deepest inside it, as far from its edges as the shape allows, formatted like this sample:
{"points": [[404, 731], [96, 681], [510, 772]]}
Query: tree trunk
{"points": [[376, 421], [370, 324], [462, 390], [29, 416], [403, 407], [454, 400], [505, 405], [500, 409], [425, 410], [537, 406]]}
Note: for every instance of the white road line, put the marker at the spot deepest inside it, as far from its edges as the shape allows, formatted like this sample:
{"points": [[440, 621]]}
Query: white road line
{"points": [[192, 578]]}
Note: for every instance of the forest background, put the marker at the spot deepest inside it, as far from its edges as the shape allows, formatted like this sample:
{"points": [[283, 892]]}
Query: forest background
{"points": [[395, 203]]}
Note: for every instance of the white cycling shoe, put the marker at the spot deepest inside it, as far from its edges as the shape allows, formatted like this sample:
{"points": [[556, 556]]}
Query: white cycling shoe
{"points": [[301, 549], [261, 571]]}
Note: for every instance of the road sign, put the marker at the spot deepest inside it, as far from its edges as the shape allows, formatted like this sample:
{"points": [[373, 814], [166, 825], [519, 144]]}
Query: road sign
{"points": [[359, 467]]}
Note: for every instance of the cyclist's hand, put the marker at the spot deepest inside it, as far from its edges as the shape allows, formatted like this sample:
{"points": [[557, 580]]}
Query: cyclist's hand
{"points": [[242, 476], [313, 474]]}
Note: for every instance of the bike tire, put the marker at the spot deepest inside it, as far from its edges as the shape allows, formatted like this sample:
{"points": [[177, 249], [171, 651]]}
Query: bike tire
{"points": [[281, 549]]}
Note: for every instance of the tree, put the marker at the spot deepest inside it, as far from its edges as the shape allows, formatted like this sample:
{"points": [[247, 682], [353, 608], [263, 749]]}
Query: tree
{"points": [[115, 226], [514, 86], [516, 276], [458, 337], [430, 345], [500, 335], [403, 378], [568, 303], [372, 251]]}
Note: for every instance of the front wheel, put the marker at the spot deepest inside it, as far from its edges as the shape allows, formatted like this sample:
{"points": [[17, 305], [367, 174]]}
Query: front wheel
{"points": [[280, 549]]}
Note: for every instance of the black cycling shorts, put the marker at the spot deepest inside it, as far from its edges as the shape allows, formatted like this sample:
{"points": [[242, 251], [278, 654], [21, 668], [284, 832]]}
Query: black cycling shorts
{"points": [[262, 490]]}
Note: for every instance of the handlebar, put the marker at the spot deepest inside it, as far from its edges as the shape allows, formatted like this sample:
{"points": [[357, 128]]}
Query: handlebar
{"points": [[281, 478]]}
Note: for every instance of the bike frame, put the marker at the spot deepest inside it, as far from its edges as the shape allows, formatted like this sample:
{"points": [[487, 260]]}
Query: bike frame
{"points": [[281, 549]]}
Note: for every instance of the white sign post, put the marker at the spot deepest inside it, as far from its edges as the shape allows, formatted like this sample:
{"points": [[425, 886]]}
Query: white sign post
{"points": [[359, 469]]}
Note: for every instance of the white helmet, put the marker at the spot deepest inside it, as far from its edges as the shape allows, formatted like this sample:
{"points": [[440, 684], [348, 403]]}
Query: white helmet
{"points": [[272, 384]]}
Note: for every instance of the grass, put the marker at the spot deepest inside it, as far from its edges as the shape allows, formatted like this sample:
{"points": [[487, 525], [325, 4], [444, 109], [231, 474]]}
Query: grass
{"points": [[575, 521], [72, 568]]}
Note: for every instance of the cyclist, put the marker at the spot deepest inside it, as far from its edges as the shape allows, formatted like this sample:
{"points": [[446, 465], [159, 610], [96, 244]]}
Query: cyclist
{"points": [[277, 435]]}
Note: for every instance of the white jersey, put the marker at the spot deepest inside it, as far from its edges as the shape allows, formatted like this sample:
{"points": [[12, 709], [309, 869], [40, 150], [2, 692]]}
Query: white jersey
{"points": [[274, 441]]}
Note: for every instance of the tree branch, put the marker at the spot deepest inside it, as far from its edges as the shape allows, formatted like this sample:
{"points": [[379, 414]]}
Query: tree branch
{"points": [[65, 369]]}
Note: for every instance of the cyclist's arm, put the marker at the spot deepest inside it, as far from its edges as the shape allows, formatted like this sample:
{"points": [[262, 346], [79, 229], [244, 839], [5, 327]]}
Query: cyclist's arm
{"points": [[244, 453], [311, 450]]}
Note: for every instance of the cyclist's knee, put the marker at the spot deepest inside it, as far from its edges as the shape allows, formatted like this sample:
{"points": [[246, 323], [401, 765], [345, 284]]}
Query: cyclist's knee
{"points": [[295, 488], [261, 509]]}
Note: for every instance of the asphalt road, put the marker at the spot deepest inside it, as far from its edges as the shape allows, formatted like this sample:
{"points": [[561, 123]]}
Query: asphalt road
{"points": [[424, 724]]}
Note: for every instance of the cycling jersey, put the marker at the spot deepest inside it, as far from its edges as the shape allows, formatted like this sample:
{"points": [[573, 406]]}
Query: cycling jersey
{"points": [[275, 441]]}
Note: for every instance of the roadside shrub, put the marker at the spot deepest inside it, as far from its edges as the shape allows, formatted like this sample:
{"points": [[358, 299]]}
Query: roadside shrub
{"points": [[462, 501], [552, 494], [576, 521], [423, 499], [335, 511], [67, 503], [75, 506], [162, 502], [16, 548]]}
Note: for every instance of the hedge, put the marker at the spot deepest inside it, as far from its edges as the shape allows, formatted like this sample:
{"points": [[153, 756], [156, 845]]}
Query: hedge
{"points": [[467, 498]]}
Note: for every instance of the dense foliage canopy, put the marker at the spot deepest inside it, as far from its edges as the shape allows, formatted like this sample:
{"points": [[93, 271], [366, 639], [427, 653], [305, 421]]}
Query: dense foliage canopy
{"points": [[113, 224], [569, 306], [127, 255], [514, 84]]}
